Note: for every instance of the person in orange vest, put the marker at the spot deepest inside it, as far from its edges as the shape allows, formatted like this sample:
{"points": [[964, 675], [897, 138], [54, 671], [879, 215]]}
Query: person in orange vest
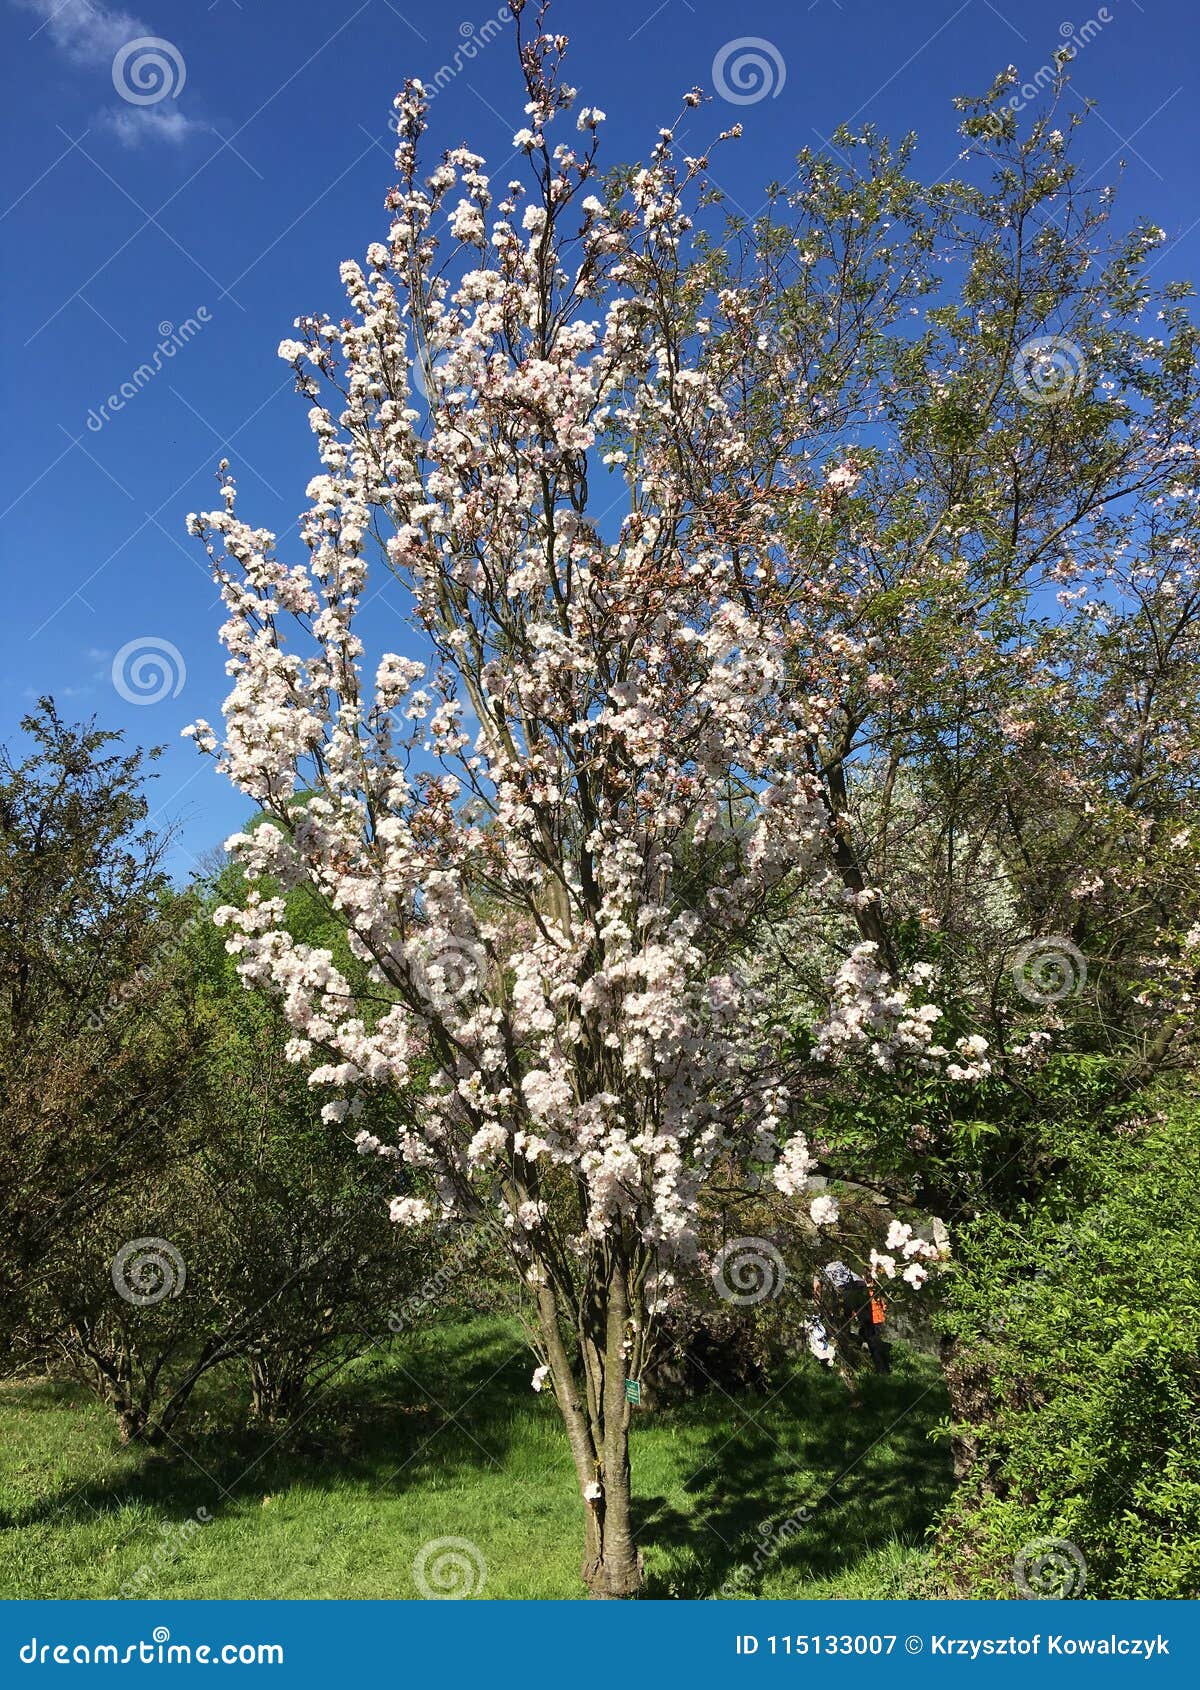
{"points": [[876, 1347], [851, 1319]]}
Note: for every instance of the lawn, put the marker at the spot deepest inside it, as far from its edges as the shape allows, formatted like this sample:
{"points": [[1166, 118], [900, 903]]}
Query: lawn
{"points": [[441, 1436]]}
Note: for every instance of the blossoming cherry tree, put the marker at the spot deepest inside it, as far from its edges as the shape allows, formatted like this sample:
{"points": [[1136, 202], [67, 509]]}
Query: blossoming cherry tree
{"points": [[524, 828]]}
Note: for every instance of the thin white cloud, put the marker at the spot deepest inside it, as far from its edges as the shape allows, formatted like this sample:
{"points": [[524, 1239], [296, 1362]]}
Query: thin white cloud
{"points": [[87, 32], [136, 124], [90, 35]]}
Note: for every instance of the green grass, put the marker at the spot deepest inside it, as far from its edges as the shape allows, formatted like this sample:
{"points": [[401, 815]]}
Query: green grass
{"points": [[440, 1436]]}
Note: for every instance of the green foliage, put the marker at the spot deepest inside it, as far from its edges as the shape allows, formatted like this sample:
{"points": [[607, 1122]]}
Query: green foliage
{"points": [[1074, 1328], [98, 1034], [148, 1117]]}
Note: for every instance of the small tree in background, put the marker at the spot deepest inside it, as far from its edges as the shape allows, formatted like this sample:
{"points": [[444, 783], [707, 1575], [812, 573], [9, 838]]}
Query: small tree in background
{"points": [[173, 1201], [98, 1033]]}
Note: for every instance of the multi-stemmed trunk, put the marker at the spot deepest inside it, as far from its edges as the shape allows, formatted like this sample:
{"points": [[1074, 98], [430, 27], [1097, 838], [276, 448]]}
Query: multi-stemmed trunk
{"points": [[597, 1420]]}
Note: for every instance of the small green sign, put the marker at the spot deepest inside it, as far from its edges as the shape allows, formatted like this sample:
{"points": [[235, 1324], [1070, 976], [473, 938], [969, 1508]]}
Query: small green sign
{"points": [[633, 1390]]}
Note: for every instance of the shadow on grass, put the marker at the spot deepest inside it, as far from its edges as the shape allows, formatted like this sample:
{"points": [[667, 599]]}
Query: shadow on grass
{"points": [[715, 1480], [448, 1401], [801, 1485]]}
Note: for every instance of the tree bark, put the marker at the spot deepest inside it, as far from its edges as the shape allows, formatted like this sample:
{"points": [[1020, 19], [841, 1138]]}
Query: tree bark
{"points": [[612, 1564]]}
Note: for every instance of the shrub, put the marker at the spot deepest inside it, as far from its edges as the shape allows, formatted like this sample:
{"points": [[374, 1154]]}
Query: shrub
{"points": [[1072, 1347]]}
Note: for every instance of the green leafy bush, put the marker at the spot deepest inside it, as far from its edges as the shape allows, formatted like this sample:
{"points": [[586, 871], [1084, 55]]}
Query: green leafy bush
{"points": [[1072, 1348]]}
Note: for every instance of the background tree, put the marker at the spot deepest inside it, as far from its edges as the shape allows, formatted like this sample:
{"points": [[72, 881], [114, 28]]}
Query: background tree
{"points": [[98, 1035], [173, 1200]]}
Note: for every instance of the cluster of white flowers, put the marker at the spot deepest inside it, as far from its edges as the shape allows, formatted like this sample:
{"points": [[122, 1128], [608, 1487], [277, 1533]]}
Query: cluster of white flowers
{"points": [[877, 1017], [912, 1249], [874, 1016], [824, 1211], [566, 746]]}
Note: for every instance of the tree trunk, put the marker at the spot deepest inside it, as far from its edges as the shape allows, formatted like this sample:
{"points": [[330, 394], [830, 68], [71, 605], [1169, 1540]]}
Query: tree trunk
{"points": [[612, 1564], [620, 1566]]}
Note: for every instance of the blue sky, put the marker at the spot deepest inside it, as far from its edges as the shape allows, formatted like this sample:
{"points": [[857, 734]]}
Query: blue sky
{"points": [[208, 218]]}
